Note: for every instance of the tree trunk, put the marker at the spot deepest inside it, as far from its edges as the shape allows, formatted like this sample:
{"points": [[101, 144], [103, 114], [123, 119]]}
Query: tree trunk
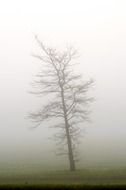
{"points": [[70, 150], [69, 143]]}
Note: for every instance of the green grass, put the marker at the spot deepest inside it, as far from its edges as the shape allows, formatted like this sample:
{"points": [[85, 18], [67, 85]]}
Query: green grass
{"points": [[36, 176], [62, 187]]}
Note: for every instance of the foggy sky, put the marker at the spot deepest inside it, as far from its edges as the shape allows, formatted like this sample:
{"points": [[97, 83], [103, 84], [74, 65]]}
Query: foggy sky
{"points": [[97, 29]]}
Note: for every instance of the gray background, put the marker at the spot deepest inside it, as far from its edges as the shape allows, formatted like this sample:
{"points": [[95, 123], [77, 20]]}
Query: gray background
{"points": [[97, 28]]}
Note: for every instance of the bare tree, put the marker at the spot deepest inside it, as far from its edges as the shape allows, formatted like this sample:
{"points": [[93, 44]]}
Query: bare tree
{"points": [[69, 102]]}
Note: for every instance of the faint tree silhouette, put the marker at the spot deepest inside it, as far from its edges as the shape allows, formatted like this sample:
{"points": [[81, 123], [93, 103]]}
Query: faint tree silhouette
{"points": [[70, 101]]}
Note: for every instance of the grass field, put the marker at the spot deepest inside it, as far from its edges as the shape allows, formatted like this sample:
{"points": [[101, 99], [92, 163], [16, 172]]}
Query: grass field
{"points": [[62, 187], [36, 176]]}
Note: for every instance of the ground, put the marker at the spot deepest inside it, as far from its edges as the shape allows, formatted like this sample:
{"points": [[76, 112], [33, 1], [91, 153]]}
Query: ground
{"points": [[29, 177]]}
